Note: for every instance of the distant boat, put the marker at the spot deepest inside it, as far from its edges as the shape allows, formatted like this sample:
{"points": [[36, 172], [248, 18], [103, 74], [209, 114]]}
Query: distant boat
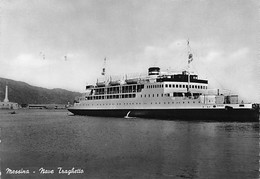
{"points": [[13, 112]]}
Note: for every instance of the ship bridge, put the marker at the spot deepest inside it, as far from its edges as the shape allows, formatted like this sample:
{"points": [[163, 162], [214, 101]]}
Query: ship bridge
{"points": [[183, 77]]}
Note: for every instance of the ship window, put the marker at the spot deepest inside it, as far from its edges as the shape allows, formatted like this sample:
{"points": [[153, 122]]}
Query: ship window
{"points": [[183, 86], [141, 95], [157, 95], [192, 86], [145, 95], [176, 86], [166, 85], [170, 85], [173, 86], [149, 95], [162, 95], [153, 95]]}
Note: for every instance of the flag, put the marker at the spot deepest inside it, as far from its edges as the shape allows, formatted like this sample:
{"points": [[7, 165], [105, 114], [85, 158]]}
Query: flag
{"points": [[103, 71], [190, 58]]}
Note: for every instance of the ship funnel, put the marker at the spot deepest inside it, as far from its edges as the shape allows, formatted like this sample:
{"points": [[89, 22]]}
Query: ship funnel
{"points": [[6, 94], [153, 71]]}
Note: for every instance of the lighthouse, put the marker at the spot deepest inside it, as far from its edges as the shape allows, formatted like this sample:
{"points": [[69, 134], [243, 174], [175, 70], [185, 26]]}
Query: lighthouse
{"points": [[6, 94], [6, 104]]}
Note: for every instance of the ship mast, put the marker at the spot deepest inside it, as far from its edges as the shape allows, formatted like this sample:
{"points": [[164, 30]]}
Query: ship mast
{"points": [[103, 72], [190, 58], [104, 68]]}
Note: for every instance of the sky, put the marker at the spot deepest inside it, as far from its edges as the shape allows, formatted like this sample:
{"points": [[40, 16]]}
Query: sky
{"points": [[63, 43]]}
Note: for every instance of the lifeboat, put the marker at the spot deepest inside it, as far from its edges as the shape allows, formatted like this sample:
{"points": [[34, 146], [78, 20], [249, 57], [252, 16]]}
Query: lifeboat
{"points": [[114, 83], [101, 84], [132, 81]]}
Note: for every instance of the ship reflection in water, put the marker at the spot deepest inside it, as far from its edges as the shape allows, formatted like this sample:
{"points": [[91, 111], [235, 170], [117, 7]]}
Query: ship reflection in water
{"points": [[128, 148]]}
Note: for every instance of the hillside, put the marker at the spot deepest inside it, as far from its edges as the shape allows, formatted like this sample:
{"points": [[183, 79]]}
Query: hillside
{"points": [[23, 93]]}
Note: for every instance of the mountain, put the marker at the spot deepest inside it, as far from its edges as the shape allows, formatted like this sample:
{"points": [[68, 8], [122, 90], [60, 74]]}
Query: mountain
{"points": [[23, 93]]}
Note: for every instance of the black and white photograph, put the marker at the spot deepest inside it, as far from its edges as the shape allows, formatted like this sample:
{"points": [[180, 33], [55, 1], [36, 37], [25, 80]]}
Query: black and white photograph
{"points": [[146, 89]]}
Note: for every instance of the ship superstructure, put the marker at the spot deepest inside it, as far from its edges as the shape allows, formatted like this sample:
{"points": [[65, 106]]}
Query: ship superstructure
{"points": [[182, 96]]}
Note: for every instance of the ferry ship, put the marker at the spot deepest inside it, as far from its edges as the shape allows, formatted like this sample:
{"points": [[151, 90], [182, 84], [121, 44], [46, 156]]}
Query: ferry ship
{"points": [[171, 96]]}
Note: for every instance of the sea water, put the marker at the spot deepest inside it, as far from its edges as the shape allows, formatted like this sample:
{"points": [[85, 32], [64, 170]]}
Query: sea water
{"points": [[57, 144]]}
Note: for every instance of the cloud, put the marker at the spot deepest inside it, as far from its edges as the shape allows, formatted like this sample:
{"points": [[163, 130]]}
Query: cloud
{"points": [[133, 35], [30, 61], [233, 70]]}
